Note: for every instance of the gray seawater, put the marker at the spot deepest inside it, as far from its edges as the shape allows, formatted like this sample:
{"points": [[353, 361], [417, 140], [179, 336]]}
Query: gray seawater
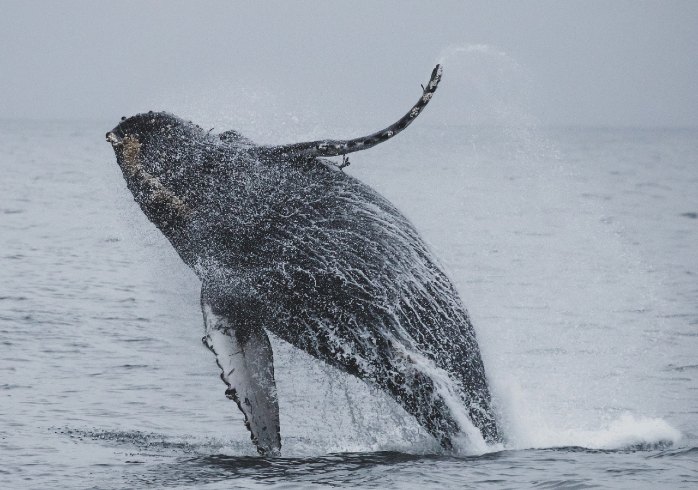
{"points": [[574, 250]]}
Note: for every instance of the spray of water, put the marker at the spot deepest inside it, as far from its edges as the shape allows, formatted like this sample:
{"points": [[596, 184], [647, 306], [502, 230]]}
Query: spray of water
{"points": [[554, 341]]}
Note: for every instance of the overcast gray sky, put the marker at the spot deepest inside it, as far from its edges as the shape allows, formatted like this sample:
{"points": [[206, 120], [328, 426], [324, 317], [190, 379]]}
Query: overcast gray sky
{"points": [[580, 62]]}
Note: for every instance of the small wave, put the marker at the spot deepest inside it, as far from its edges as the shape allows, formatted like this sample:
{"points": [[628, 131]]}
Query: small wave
{"points": [[677, 452], [689, 367], [148, 441]]}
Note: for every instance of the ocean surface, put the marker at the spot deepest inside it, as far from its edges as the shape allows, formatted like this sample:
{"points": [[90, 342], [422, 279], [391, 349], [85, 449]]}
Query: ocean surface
{"points": [[575, 251]]}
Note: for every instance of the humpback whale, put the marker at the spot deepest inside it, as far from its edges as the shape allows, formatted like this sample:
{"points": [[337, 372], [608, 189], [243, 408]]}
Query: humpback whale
{"points": [[284, 241]]}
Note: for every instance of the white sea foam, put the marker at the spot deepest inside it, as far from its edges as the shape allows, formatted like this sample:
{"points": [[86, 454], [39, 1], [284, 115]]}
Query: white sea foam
{"points": [[527, 427], [626, 432]]}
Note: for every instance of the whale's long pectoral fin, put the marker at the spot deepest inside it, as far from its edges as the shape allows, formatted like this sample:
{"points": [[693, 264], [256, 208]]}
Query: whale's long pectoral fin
{"points": [[329, 148], [244, 355]]}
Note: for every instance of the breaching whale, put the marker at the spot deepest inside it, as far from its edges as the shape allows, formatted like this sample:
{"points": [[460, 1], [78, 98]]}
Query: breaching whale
{"points": [[284, 241]]}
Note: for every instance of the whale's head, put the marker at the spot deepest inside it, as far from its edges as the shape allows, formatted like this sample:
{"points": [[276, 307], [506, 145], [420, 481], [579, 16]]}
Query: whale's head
{"points": [[158, 143], [158, 148], [160, 156]]}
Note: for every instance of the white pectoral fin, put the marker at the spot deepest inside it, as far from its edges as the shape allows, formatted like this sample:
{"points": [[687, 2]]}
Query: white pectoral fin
{"points": [[245, 358]]}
